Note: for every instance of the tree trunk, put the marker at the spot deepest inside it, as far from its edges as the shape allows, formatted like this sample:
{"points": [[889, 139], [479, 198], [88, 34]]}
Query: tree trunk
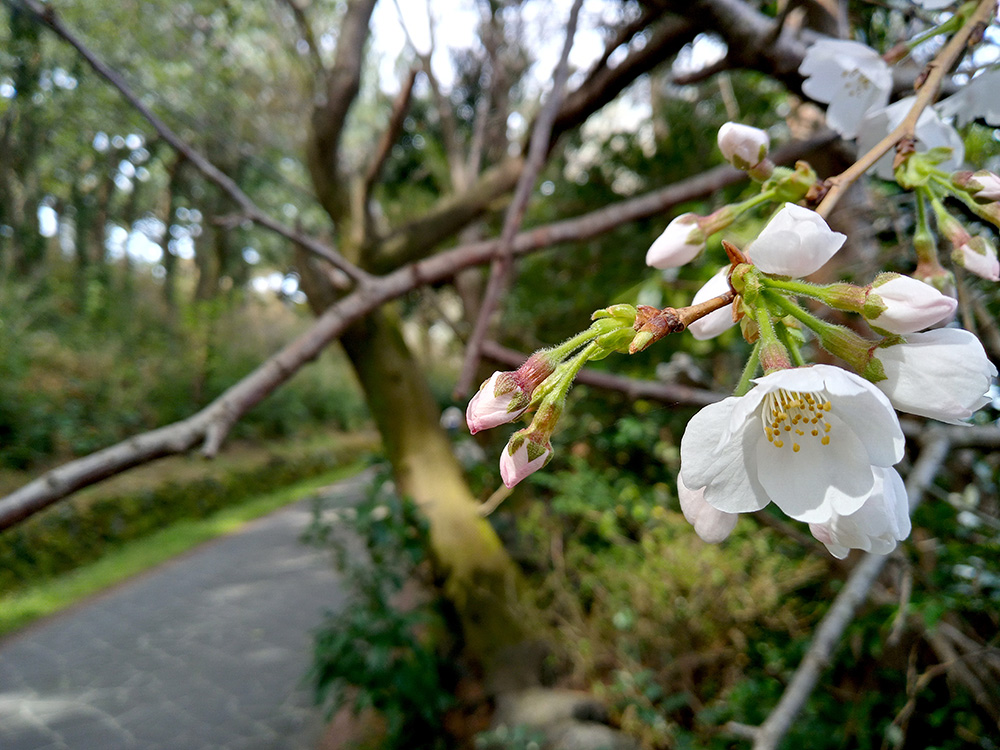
{"points": [[479, 577]]}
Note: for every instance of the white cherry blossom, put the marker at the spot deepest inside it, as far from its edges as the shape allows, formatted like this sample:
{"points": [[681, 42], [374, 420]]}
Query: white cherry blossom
{"points": [[808, 439], [796, 242], [978, 99], [710, 524], [931, 132], [876, 526], [942, 374], [849, 76]]}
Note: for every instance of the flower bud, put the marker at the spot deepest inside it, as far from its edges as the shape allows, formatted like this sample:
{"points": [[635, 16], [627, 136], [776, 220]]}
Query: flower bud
{"points": [[743, 146], [718, 321], [978, 255], [984, 185], [681, 241], [527, 451], [506, 395], [499, 400], [907, 305]]}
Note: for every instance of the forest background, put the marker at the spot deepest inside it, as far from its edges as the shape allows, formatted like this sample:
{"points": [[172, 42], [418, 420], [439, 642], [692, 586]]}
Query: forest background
{"points": [[138, 284]]}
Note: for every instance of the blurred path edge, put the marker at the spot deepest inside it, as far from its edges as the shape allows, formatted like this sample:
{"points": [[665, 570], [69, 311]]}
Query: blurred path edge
{"points": [[206, 652]]}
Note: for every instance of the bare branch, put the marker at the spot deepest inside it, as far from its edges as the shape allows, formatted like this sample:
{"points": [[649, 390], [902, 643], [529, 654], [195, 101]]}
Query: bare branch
{"points": [[212, 424], [46, 15], [343, 82], [414, 239], [540, 139], [603, 83], [389, 137], [817, 658]]}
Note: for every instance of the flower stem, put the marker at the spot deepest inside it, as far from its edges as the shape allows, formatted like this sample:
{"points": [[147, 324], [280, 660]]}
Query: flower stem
{"points": [[842, 342], [785, 334], [773, 354], [749, 370]]}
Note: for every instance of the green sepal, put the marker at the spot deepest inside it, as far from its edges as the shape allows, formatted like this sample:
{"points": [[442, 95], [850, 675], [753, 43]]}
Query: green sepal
{"points": [[623, 312]]}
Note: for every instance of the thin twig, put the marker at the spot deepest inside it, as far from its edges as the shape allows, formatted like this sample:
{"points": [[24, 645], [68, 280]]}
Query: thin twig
{"points": [[47, 16], [938, 69], [537, 152]]}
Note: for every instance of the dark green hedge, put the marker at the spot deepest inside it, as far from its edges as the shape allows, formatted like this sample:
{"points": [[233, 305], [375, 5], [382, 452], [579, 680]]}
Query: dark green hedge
{"points": [[76, 532]]}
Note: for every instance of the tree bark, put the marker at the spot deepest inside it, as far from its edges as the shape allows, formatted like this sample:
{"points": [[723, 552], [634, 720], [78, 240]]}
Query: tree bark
{"points": [[478, 576]]}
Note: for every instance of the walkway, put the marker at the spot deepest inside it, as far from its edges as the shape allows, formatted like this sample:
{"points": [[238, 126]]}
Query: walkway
{"points": [[207, 652]]}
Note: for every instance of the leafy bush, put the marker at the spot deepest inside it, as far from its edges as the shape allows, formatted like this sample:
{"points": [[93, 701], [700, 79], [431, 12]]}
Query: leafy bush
{"points": [[78, 531], [375, 653]]}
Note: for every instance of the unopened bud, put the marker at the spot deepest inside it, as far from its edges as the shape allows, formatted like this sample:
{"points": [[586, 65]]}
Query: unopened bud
{"points": [[978, 255], [907, 305], [743, 146], [680, 242], [983, 185]]}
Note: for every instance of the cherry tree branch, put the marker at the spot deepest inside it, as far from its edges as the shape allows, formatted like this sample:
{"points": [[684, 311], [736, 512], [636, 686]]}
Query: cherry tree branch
{"points": [[541, 136], [389, 137], [211, 425], [937, 70], [47, 16], [305, 29], [767, 736]]}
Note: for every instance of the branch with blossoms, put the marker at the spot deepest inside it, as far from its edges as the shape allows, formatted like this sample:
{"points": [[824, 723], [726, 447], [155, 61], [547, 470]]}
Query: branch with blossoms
{"points": [[820, 441]]}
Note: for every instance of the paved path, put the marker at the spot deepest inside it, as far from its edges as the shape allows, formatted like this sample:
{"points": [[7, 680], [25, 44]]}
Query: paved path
{"points": [[207, 652]]}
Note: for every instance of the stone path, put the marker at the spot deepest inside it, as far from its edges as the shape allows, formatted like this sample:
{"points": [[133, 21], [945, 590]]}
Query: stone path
{"points": [[207, 652]]}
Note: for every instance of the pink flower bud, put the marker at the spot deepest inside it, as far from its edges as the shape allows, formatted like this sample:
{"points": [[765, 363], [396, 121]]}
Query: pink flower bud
{"points": [[984, 185], [523, 455], [909, 305], [978, 255], [743, 146], [681, 241], [499, 400]]}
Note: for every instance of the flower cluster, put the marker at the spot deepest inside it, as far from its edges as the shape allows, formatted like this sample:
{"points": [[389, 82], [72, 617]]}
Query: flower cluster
{"points": [[819, 441]]}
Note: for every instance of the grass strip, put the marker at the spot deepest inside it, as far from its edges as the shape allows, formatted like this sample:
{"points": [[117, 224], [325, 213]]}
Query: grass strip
{"points": [[22, 607]]}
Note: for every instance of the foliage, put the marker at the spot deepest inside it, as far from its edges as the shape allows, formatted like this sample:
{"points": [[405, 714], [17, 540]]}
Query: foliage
{"points": [[80, 531], [71, 387], [681, 637], [380, 651]]}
